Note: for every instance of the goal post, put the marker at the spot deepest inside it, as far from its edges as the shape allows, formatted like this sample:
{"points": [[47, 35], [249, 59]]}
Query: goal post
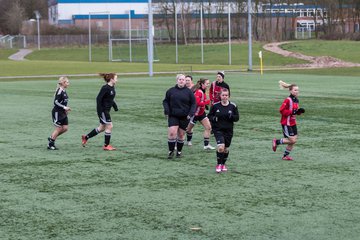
{"points": [[89, 31]]}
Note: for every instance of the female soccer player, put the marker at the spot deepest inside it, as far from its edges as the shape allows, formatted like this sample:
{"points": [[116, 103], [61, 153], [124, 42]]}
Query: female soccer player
{"points": [[288, 109], [189, 81], [179, 106], [216, 87], [59, 112], [222, 116], [104, 103], [200, 115]]}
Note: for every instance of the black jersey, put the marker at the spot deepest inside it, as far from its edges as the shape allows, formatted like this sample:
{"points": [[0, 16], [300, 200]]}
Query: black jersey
{"points": [[179, 102], [223, 117], [60, 100], [105, 98]]}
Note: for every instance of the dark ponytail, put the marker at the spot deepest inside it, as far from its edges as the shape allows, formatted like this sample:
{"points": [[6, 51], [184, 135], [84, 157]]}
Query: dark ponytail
{"points": [[107, 76], [198, 84]]}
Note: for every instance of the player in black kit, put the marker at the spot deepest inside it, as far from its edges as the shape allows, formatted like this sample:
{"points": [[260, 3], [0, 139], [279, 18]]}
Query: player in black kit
{"points": [[59, 112], [222, 115], [104, 102], [179, 106]]}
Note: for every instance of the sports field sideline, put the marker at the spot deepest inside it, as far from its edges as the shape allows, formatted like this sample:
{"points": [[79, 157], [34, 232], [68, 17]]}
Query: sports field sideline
{"points": [[136, 193]]}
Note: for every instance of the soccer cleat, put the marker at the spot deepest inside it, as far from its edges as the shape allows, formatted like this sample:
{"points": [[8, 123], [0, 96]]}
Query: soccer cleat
{"points": [[178, 154], [224, 168], [218, 168], [83, 140], [189, 143], [287, 158], [109, 148], [274, 145], [208, 147], [170, 154], [52, 148]]}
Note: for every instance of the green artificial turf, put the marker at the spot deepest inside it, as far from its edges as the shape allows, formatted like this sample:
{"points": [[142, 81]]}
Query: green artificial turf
{"points": [[136, 193]]}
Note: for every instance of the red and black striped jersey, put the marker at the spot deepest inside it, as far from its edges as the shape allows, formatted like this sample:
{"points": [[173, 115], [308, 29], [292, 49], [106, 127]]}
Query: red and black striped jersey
{"points": [[287, 108], [201, 102], [215, 90]]}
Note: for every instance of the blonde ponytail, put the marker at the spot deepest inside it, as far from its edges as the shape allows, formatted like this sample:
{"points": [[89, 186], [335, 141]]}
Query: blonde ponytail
{"points": [[284, 85], [60, 81]]}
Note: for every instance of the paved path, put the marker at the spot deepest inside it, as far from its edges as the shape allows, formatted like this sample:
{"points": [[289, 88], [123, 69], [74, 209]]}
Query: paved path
{"points": [[20, 55]]}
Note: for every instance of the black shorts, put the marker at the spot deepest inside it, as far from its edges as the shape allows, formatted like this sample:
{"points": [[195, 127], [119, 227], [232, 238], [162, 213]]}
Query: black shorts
{"points": [[182, 122], [104, 117], [289, 131], [223, 137], [59, 118], [199, 118]]}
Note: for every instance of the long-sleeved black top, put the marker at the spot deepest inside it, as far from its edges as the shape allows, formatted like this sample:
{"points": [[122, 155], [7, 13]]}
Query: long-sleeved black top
{"points": [[179, 102], [60, 100], [105, 98], [223, 117]]}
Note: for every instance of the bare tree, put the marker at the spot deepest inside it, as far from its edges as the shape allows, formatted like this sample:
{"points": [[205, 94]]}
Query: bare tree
{"points": [[14, 18], [9, 22], [167, 10], [356, 14], [185, 9]]}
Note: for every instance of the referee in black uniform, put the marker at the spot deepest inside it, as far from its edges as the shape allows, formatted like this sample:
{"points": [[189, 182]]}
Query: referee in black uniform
{"points": [[179, 106], [104, 103], [222, 115]]}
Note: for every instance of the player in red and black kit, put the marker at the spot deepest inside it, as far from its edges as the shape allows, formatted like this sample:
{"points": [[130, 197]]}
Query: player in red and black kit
{"points": [[59, 112], [222, 115], [216, 87], [179, 106], [288, 109], [201, 102], [104, 103]]}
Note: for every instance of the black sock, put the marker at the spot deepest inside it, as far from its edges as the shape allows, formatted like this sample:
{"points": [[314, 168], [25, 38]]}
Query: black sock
{"points": [[189, 136], [93, 133], [219, 157], [51, 142], [206, 141], [279, 141], [171, 144], [287, 152], [107, 138], [179, 145]]}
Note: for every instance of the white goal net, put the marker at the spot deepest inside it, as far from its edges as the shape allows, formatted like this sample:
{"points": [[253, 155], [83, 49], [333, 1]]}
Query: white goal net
{"points": [[134, 50]]}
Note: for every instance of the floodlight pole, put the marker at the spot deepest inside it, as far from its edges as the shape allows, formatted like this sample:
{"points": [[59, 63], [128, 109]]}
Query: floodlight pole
{"points": [[151, 40], [229, 31], [38, 16], [201, 34], [176, 37], [250, 35], [89, 37], [130, 49], [109, 37]]}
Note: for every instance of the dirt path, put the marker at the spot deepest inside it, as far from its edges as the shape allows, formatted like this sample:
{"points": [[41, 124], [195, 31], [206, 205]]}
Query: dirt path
{"points": [[314, 62]]}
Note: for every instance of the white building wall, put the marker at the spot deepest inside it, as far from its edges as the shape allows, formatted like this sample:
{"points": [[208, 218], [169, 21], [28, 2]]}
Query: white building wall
{"points": [[66, 11]]}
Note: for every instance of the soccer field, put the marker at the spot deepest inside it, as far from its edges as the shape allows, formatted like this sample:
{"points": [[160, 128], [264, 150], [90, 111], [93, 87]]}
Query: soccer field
{"points": [[137, 193]]}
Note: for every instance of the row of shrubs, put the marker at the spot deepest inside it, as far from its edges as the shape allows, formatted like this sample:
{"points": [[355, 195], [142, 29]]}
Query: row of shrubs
{"points": [[341, 36]]}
